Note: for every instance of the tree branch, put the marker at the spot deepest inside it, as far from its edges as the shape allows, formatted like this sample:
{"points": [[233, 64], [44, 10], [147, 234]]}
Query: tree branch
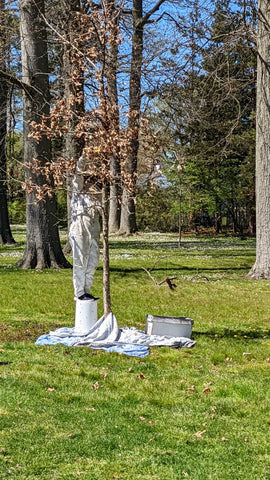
{"points": [[148, 273], [152, 11], [28, 89]]}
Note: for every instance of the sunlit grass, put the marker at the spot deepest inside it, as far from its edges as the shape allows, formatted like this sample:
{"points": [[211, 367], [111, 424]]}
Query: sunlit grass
{"points": [[68, 413]]}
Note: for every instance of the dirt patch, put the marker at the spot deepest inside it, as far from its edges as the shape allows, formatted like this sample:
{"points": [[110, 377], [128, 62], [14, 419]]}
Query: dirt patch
{"points": [[27, 332]]}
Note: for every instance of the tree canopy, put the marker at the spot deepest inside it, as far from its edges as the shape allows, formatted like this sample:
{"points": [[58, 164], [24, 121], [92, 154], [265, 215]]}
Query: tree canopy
{"points": [[140, 87]]}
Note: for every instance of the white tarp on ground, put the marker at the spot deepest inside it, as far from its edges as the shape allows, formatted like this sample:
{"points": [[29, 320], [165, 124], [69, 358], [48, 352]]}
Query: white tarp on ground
{"points": [[106, 335]]}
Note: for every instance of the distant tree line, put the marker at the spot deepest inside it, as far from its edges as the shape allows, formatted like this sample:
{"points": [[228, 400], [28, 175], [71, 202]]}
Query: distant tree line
{"points": [[161, 97]]}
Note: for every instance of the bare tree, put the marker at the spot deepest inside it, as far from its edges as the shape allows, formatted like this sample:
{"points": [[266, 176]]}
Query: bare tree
{"points": [[139, 20]]}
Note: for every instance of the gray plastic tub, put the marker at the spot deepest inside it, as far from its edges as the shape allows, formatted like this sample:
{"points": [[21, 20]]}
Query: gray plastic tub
{"points": [[169, 326]]}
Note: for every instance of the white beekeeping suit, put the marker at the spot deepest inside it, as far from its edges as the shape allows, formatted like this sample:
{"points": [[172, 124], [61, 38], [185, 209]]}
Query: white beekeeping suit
{"points": [[84, 230]]}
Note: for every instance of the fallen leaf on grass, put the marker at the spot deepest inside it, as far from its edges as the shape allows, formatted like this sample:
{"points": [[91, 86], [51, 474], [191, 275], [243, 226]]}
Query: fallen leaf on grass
{"points": [[95, 386], [140, 375], [207, 390], [192, 388], [199, 434], [51, 389]]}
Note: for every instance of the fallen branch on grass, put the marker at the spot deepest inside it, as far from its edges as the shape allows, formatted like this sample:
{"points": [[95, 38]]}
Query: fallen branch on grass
{"points": [[171, 285], [167, 280], [149, 274]]}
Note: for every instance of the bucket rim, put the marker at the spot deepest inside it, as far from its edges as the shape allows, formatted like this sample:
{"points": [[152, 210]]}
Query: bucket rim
{"points": [[166, 317]]}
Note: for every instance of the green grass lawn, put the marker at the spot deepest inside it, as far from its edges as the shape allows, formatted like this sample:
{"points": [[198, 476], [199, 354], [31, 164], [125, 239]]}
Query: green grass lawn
{"points": [[200, 413]]}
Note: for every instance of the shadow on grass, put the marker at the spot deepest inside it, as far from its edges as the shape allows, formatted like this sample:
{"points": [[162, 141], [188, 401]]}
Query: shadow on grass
{"points": [[201, 244], [130, 270], [237, 333], [12, 246], [184, 270]]}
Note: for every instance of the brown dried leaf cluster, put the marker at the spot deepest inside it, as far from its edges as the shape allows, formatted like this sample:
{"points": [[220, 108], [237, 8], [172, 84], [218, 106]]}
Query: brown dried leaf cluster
{"points": [[98, 126]]}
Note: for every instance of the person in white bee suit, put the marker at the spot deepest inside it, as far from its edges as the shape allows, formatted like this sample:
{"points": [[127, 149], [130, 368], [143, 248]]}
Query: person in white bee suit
{"points": [[84, 230]]}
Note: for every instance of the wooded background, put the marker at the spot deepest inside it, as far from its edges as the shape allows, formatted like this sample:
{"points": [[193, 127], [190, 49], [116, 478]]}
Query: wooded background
{"points": [[160, 96]]}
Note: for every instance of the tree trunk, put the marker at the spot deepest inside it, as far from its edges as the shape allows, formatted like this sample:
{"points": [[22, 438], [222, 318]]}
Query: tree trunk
{"points": [[252, 224], [106, 259], [111, 74], [261, 268], [128, 214], [5, 231], [128, 223], [115, 196], [43, 248]]}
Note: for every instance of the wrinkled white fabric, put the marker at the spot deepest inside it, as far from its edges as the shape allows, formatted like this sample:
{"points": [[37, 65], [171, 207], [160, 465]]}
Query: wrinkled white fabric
{"points": [[106, 335], [84, 231], [106, 332]]}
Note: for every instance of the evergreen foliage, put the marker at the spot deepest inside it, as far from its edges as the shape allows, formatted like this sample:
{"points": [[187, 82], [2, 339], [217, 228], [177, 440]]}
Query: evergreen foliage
{"points": [[208, 120]]}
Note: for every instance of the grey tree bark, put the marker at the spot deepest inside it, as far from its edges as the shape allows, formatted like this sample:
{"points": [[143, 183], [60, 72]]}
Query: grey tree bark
{"points": [[128, 223], [5, 230], [43, 248], [261, 268]]}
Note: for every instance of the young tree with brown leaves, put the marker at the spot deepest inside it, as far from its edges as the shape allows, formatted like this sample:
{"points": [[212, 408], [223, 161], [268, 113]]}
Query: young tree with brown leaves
{"points": [[97, 126]]}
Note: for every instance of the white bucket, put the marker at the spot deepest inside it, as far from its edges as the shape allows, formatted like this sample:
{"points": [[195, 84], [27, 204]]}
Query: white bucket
{"points": [[85, 315]]}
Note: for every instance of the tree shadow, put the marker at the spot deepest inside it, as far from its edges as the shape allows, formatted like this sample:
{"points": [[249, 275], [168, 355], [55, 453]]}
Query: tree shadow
{"points": [[195, 244], [183, 269], [233, 333]]}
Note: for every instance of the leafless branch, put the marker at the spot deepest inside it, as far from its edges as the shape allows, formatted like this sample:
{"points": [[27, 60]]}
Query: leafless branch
{"points": [[28, 89], [152, 11]]}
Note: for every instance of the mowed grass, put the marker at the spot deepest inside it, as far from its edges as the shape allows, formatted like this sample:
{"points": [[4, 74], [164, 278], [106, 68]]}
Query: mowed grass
{"points": [[200, 413]]}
